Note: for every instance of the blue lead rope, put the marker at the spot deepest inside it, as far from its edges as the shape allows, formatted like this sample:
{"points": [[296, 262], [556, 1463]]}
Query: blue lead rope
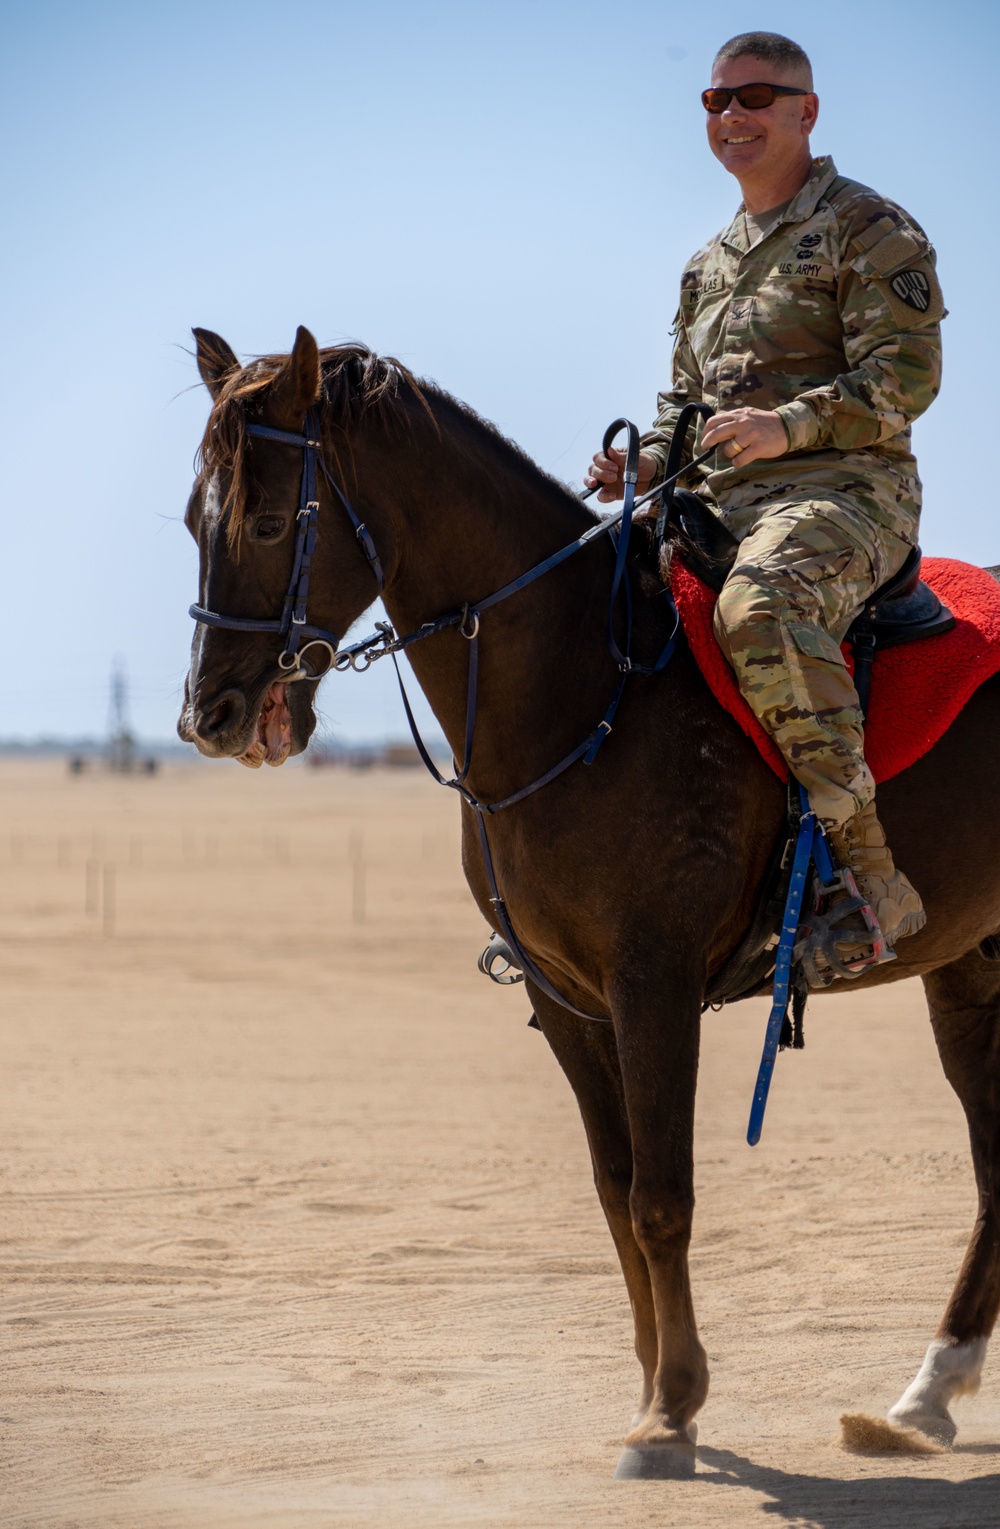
{"points": [[810, 846]]}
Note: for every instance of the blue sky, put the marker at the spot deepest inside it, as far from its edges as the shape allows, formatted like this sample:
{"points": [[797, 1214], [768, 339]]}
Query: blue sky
{"points": [[502, 196]]}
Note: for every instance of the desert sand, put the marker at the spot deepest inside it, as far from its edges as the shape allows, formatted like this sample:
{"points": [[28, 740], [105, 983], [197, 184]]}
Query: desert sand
{"points": [[297, 1218]]}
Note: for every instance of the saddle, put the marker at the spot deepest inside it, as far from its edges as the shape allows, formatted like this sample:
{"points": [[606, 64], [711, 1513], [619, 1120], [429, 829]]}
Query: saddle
{"points": [[902, 610]]}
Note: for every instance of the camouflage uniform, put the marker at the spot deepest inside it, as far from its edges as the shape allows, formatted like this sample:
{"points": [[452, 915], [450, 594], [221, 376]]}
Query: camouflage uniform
{"points": [[831, 318]]}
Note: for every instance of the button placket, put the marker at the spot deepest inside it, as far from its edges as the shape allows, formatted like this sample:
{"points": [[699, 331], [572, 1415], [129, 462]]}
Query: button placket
{"points": [[736, 330]]}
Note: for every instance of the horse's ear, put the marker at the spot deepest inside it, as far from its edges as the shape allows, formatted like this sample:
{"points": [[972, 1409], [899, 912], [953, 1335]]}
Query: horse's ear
{"points": [[296, 387], [216, 360]]}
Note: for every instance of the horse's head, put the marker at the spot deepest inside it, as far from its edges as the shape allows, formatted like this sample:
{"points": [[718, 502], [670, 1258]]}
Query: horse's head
{"points": [[243, 697]]}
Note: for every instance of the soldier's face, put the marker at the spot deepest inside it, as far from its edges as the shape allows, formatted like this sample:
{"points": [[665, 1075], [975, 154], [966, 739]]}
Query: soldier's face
{"points": [[755, 143]]}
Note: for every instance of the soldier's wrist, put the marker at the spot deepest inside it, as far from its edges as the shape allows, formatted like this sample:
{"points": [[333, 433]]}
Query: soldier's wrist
{"points": [[801, 424], [659, 457]]}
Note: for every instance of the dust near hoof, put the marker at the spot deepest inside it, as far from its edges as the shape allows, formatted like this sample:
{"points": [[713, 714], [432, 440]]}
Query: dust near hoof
{"points": [[864, 1435]]}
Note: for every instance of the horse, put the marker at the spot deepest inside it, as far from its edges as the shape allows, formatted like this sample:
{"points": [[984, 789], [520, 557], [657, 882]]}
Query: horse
{"points": [[631, 878]]}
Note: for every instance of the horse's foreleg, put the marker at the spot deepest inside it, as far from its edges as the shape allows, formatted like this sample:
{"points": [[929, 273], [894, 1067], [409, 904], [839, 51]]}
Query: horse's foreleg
{"points": [[964, 1001], [588, 1055], [657, 1025]]}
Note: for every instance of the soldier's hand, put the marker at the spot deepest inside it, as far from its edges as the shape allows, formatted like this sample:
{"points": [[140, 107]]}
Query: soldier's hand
{"points": [[608, 472], [746, 435]]}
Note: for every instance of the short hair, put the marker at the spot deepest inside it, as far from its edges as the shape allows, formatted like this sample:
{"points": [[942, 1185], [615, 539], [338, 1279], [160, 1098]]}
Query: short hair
{"points": [[771, 47]]}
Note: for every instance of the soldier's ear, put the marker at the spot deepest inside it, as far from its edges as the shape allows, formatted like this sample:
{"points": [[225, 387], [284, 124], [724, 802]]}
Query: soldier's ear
{"points": [[810, 112]]}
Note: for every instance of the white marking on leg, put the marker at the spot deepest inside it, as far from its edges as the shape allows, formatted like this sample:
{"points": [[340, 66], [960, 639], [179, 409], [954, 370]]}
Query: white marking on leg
{"points": [[949, 1370]]}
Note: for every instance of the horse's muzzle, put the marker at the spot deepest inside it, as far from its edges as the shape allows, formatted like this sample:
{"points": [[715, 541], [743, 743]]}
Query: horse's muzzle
{"points": [[225, 727], [217, 727]]}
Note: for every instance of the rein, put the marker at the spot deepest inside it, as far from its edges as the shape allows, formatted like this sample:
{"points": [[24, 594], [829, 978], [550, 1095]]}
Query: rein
{"points": [[300, 636]]}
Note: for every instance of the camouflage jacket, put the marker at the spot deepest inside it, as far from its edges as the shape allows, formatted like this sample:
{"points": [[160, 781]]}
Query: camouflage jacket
{"points": [[832, 319]]}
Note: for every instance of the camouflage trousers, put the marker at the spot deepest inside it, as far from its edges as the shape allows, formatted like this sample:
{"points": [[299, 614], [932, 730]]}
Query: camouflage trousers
{"points": [[801, 575]]}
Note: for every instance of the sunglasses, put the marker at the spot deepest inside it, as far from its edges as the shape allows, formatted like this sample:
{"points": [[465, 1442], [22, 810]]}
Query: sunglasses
{"points": [[750, 97]]}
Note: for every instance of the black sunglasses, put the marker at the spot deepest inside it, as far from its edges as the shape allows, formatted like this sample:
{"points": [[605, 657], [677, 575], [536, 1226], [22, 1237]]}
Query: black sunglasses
{"points": [[750, 97]]}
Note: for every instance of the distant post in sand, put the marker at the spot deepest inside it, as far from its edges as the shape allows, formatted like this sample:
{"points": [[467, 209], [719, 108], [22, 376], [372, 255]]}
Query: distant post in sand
{"points": [[109, 897], [90, 893], [357, 854]]}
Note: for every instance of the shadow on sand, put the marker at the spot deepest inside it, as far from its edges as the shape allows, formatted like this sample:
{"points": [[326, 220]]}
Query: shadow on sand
{"points": [[824, 1502]]}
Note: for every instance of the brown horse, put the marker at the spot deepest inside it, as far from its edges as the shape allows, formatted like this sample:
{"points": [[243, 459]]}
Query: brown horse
{"points": [[629, 880]]}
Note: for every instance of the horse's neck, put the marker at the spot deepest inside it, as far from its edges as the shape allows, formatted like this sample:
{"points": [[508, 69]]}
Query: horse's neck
{"points": [[457, 533]]}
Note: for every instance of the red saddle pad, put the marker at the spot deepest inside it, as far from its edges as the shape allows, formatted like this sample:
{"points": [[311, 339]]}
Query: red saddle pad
{"points": [[917, 690]]}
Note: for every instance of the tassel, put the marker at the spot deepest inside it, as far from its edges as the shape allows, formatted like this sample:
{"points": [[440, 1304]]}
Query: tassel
{"points": [[799, 997]]}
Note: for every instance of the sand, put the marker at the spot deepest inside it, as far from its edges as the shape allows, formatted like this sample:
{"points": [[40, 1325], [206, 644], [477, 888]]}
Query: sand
{"points": [[297, 1218]]}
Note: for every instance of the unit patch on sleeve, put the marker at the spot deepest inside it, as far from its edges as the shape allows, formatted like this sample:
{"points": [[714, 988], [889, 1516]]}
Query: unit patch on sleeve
{"points": [[913, 289]]}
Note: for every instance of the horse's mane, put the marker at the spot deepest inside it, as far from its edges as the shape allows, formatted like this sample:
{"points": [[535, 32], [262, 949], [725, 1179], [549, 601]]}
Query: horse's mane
{"points": [[355, 384]]}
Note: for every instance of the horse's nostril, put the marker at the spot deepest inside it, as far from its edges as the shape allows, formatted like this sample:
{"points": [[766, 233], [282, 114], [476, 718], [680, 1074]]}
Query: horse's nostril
{"points": [[224, 716]]}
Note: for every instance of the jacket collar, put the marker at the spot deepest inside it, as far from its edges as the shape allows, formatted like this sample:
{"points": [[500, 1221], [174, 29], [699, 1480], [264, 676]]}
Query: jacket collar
{"points": [[802, 205]]}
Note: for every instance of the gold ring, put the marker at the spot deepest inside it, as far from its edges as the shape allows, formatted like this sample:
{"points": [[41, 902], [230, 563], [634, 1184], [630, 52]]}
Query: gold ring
{"points": [[737, 447]]}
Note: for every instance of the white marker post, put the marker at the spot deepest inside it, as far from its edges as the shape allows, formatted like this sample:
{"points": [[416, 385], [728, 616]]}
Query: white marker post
{"points": [[357, 854]]}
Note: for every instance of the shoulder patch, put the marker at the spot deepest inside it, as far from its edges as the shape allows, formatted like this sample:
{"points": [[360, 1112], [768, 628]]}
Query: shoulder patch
{"points": [[913, 289]]}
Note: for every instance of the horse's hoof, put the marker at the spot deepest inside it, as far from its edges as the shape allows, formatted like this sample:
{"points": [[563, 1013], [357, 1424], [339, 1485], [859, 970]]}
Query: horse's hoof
{"points": [[939, 1426], [656, 1462]]}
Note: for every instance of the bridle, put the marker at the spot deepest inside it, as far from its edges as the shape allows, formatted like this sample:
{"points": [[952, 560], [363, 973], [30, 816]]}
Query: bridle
{"points": [[293, 623], [294, 626]]}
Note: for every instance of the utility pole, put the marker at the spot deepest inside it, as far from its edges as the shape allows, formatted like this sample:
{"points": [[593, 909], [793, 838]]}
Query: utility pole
{"points": [[121, 754]]}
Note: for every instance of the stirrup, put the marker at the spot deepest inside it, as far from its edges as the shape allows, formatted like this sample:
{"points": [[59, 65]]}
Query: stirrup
{"points": [[498, 962], [821, 931]]}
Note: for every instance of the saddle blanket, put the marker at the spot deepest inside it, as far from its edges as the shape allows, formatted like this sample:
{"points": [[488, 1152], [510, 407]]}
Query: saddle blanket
{"points": [[917, 690]]}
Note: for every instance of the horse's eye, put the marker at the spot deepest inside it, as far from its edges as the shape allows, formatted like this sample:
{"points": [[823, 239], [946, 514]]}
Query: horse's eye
{"points": [[268, 527]]}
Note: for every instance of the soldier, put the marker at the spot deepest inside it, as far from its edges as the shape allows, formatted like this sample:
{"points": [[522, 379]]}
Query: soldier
{"points": [[812, 324]]}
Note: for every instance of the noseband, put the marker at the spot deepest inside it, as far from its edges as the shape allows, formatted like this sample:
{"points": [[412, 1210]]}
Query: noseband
{"points": [[293, 624]]}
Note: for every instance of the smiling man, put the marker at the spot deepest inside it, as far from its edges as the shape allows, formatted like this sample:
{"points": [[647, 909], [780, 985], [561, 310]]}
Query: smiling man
{"points": [[812, 325]]}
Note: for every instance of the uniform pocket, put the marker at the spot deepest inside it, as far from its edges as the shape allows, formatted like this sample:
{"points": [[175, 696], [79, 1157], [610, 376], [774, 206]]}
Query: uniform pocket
{"points": [[814, 642]]}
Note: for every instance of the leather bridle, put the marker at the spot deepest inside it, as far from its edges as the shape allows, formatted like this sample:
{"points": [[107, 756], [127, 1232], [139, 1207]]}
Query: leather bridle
{"points": [[293, 623]]}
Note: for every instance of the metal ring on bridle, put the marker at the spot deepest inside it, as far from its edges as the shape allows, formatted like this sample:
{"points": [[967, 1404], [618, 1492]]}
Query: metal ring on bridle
{"points": [[294, 662], [475, 624]]}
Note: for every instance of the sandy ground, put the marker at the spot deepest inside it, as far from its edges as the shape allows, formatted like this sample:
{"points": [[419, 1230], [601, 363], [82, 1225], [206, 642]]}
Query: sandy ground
{"points": [[297, 1220]]}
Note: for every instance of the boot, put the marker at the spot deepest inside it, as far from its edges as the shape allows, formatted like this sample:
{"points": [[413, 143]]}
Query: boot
{"points": [[859, 846]]}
